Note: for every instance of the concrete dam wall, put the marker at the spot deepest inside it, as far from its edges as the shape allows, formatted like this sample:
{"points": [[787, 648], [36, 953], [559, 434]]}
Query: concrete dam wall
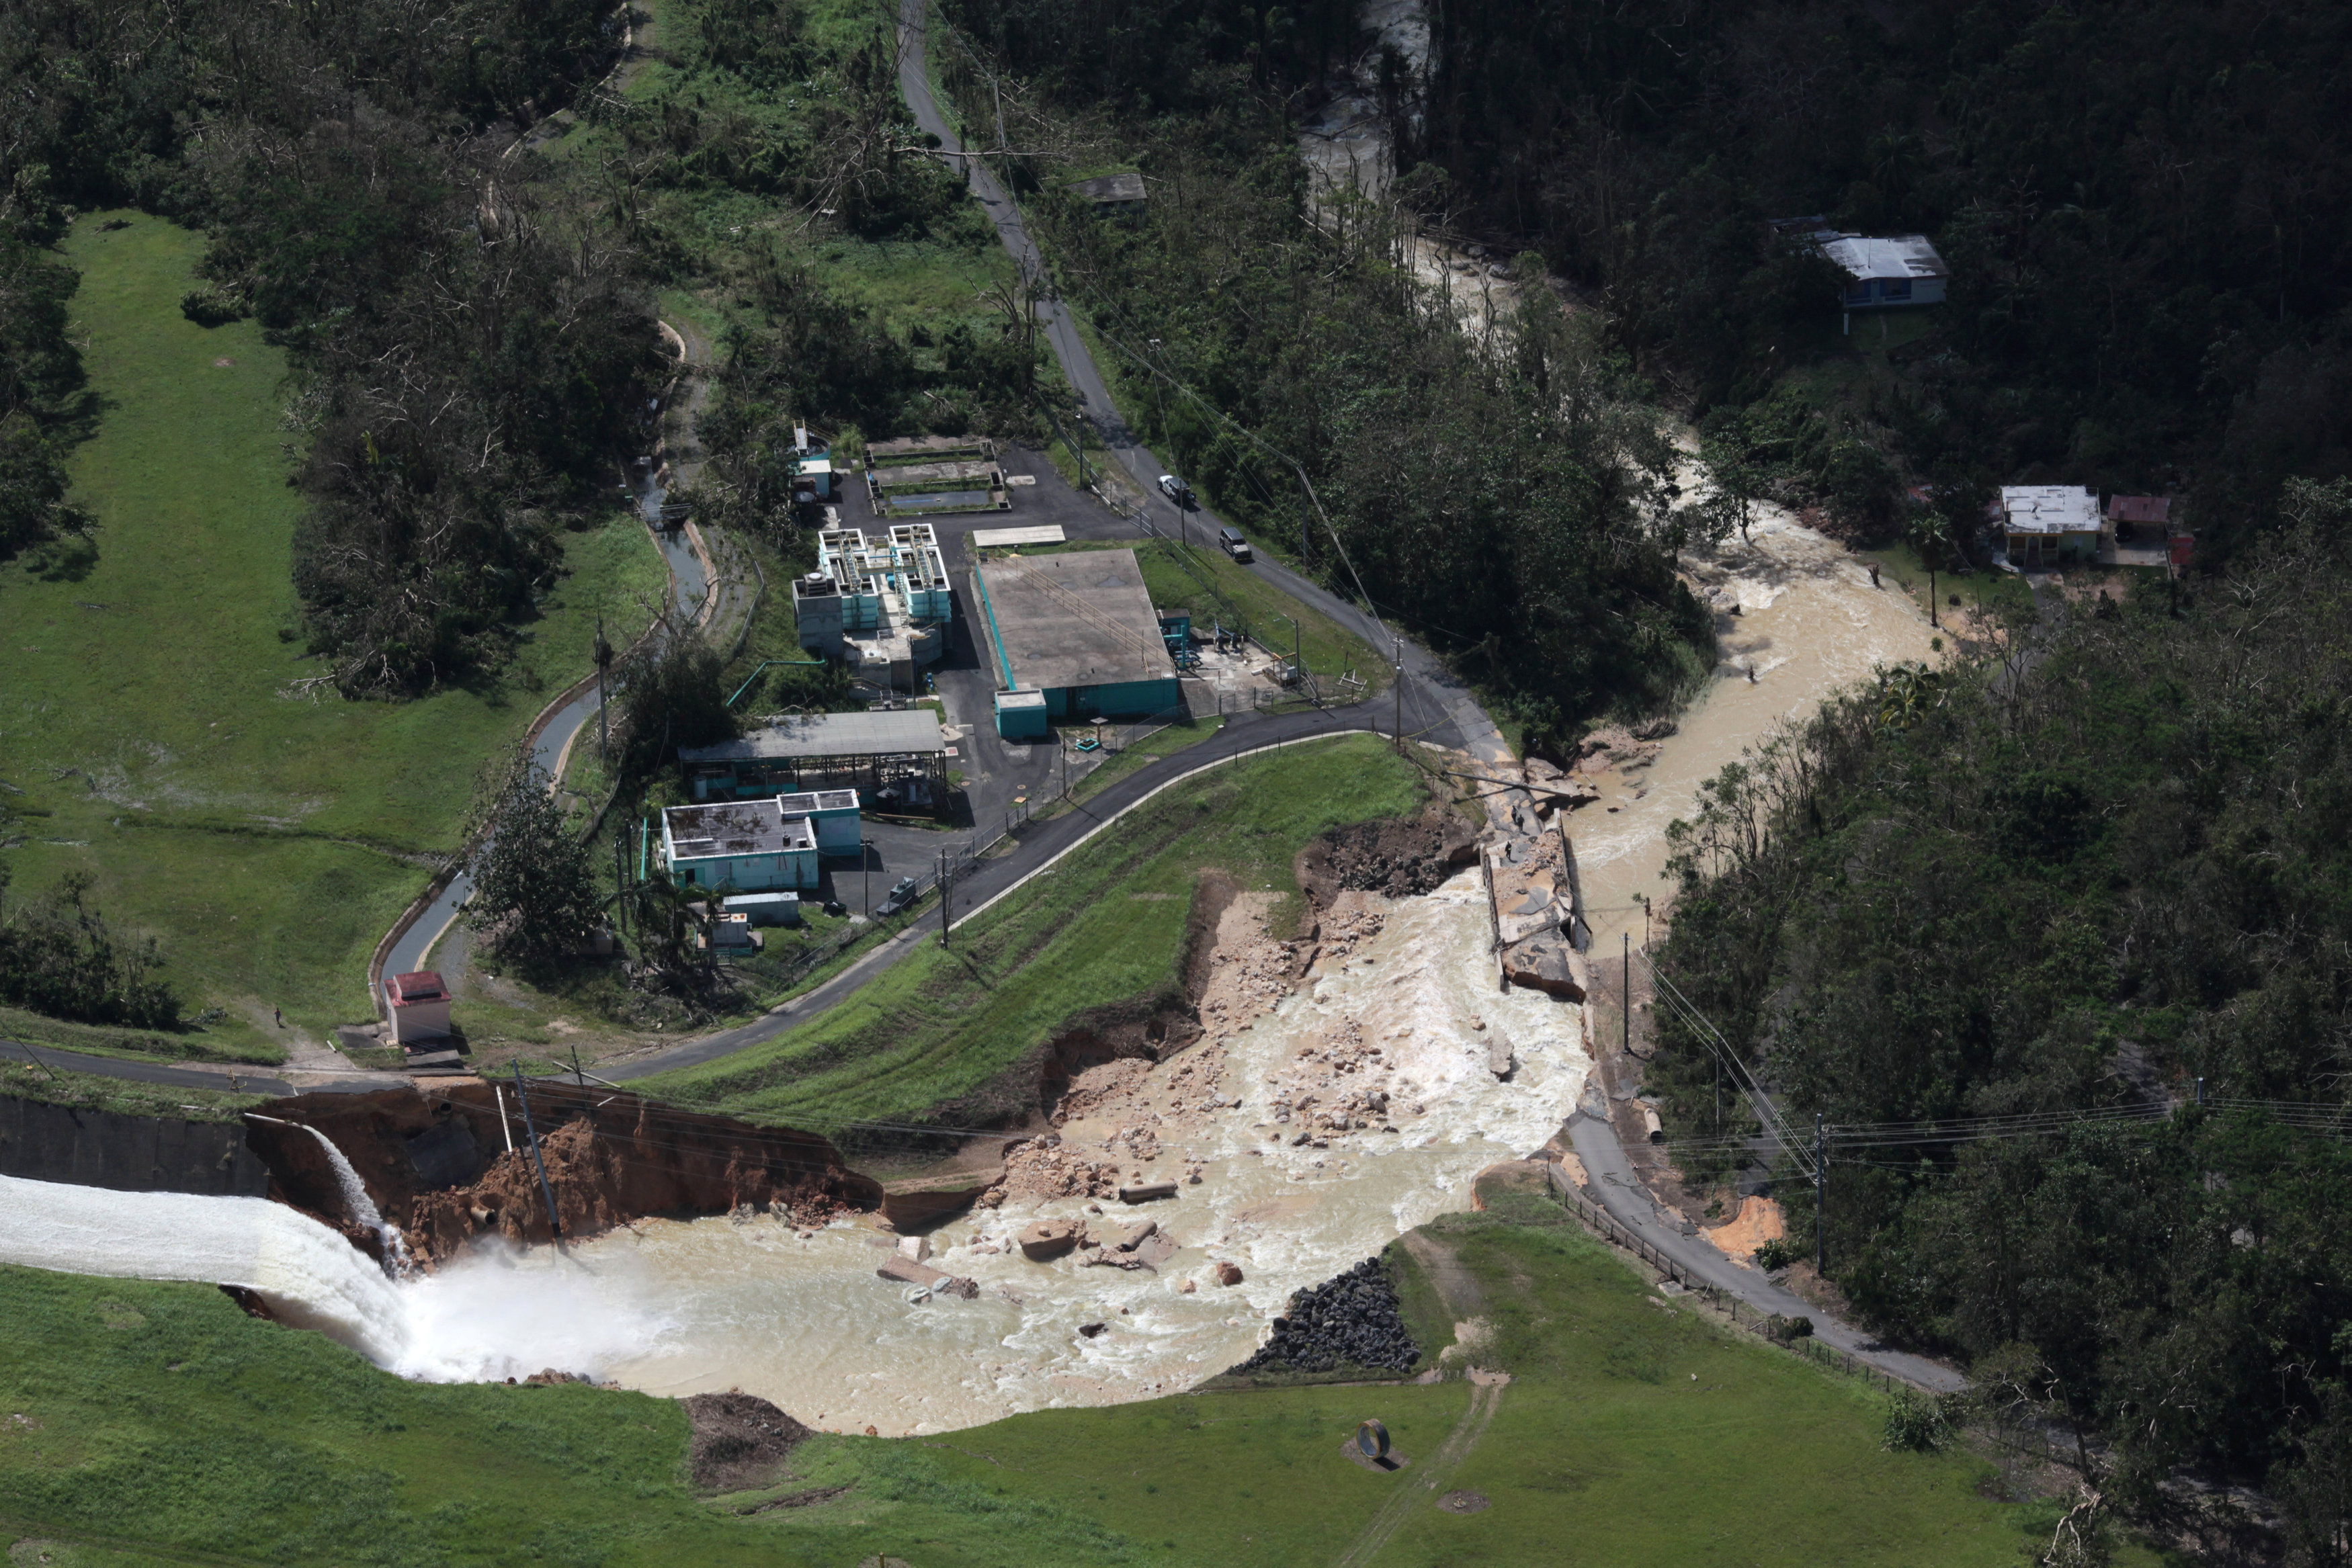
{"points": [[41, 1142]]}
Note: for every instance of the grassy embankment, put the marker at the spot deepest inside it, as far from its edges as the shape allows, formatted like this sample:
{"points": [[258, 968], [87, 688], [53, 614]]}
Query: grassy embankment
{"points": [[1106, 926], [158, 1422], [266, 838]]}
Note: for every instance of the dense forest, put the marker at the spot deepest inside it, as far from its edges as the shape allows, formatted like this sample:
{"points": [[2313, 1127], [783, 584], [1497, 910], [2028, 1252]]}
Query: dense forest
{"points": [[2144, 203], [2101, 875], [470, 355]]}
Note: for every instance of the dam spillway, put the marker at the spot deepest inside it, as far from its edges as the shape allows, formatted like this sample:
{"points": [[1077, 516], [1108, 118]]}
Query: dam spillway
{"points": [[795, 1311]]}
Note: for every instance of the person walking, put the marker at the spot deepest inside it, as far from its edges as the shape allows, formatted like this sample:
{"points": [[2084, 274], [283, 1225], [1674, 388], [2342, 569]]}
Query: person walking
{"points": [[280, 1012]]}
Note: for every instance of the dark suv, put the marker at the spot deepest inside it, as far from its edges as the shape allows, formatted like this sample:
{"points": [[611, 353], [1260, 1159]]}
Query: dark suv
{"points": [[901, 897]]}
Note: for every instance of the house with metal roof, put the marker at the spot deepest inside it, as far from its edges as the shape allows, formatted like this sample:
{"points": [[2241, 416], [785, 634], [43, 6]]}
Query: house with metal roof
{"points": [[1119, 193], [1885, 272], [2046, 525], [755, 846]]}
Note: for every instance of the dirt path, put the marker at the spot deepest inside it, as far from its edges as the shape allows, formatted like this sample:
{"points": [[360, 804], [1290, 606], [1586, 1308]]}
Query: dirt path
{"points": [[1457, 1286], [1421, 1483]]}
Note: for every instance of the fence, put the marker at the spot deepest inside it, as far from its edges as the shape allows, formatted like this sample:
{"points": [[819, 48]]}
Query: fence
{"points": [[1742, 1315]]}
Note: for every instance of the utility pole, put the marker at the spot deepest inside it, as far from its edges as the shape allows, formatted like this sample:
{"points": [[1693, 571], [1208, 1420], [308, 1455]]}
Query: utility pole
{"points": [[1821, 1199], [603, 723], [1625, 992], [1399, 684], [866, 865], [621, 878], [947, 896], [545, 1191]]}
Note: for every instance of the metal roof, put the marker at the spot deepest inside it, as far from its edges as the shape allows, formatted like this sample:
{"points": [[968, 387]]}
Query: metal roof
{"points": [[2140, 508], [999, 539], [1125, 187], [900, 733], [1898, 256], [2049, 509], [809, 802], [418, 985]]}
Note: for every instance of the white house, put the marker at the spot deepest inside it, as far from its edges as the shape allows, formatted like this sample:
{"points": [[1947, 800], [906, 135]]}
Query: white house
{"points": [[1883, 273], [2048, 525]]}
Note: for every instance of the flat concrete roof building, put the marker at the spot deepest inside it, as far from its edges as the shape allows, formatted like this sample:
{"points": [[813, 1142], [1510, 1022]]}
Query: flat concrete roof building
{"points": [[1081, 629], [754, 845], [877, 746]]}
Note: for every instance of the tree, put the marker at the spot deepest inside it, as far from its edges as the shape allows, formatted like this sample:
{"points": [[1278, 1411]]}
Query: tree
{"points": [[673, 693], [534, 885], [1738, 478]]}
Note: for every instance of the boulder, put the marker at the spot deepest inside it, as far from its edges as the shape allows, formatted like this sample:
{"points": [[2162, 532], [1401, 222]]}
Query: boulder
{"points": [[915, 1248], [1156, 1248], [1548, 964], [907, 1271], [1499, 1061], [1226, 1274], [1048, 1239]]}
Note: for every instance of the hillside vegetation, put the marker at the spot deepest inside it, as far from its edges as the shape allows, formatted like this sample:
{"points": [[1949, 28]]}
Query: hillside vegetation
{"points": [[165, 733], [2106, 876], [954, 1036]]}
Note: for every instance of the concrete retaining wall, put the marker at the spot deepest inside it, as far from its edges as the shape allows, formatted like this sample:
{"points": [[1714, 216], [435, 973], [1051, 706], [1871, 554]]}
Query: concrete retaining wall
{"points": [[41, 1142]]}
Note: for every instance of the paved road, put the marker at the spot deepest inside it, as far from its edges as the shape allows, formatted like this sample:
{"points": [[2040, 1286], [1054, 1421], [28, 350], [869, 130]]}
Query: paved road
{"points": [[1619, 1189], [689, 585], [1435, 704], [1040, 843], [231, 1080]]}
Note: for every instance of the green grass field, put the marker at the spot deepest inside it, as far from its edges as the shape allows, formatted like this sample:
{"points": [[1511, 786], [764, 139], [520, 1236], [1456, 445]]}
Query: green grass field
{"points": [[1105, 926], [144, 1423], [267, 839]]}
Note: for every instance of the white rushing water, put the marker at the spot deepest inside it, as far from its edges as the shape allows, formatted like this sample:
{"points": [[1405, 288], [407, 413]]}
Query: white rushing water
{"points": [[481, 1319], [362, 1208]]}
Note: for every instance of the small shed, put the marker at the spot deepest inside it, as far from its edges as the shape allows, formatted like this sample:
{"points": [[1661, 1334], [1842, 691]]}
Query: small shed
{"points": [[2137, 516], [1021, 716], [420, 1006], [767, 908], [1119, 193]]}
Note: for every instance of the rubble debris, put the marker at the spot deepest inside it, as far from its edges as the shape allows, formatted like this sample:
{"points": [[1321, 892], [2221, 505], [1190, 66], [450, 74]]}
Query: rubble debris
{"points": [[1352, 1320]]}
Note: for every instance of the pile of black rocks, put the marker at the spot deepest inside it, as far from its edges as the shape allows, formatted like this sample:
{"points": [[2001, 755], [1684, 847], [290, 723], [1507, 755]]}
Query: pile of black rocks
{"points": [[1353, 1320]]}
